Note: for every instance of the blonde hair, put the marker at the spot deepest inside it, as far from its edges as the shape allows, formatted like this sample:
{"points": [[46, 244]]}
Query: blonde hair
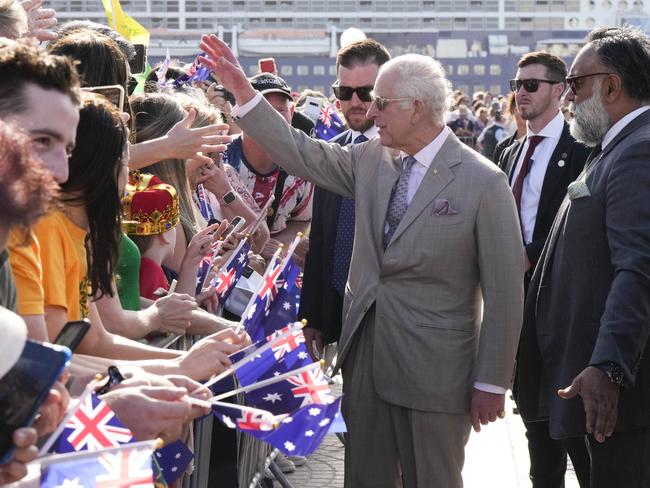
{"points": [[13, 19]]}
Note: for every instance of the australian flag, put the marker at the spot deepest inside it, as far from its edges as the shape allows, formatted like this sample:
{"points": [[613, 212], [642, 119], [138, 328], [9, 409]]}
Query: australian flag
{"points": [[129, 466], [286, 354], [232, 271], [304, 388], [243, 418], [275, 304], [329, 124], [173, 460], [94, 426], [204, 203], [301, 433], [196, 72]]}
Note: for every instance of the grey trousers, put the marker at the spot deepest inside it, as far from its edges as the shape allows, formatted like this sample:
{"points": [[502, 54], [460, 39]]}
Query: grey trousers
{"points": [[389, 446]]}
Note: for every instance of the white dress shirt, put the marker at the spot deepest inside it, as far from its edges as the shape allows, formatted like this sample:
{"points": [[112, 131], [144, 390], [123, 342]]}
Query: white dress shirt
{"points": [[534, 181], [371, 133], [618, 126]]}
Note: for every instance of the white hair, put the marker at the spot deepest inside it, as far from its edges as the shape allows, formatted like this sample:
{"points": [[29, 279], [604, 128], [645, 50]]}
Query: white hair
{"points": [[422, 78]]}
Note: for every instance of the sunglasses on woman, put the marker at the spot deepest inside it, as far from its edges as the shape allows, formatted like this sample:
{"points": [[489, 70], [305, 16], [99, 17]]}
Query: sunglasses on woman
{"points": [[344, 93], [531, 85]]}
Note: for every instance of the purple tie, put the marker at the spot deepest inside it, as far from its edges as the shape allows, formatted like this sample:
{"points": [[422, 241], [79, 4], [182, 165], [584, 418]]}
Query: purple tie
{"points": [[398, 204], [344, 239]]}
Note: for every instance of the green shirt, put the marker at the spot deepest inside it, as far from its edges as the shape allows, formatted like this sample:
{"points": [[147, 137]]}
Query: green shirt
{"points": [[128, 274]]}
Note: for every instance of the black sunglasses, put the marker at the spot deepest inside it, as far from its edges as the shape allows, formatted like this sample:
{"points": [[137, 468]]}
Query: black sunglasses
{"points": [[574, 82], [531, 85], [345, 93]]}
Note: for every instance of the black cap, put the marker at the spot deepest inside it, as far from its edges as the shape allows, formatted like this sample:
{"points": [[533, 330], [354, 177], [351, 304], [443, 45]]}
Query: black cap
{"points": [[269, 83]]}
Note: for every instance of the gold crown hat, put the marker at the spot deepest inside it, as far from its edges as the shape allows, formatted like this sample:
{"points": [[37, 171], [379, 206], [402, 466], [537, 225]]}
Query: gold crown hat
{"points": [[149, 206]]}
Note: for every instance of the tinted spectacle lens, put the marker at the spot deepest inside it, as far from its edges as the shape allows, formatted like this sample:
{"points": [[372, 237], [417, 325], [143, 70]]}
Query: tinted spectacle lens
{"points": [[531, 86], [345, 93]]}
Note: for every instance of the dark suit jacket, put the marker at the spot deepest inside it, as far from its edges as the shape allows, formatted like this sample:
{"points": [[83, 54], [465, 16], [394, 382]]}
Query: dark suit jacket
{"points": [[589, 298], [554, 187], [320, 303]]}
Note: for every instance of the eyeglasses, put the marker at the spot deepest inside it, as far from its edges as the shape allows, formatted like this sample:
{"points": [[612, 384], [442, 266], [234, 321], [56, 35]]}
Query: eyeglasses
{"points": [[574, 85], [382, 102], [531, 85], [345, 93]]}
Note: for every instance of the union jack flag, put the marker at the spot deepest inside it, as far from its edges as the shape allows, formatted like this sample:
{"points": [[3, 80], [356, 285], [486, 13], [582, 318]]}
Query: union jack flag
{"points": [[126, 469], [312, 387], [329, 124], [287, 343], [244, 418], [94, 426], [128, 466], [326, 115], [232, 271], [203, 203]]}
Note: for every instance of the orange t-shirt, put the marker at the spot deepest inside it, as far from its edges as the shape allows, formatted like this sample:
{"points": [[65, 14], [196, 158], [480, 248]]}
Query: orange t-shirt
{"points": [[25, 259], [65, 269]]}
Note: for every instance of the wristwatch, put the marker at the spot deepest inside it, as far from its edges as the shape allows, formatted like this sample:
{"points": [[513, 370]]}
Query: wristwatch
{"points": [[613, 371], [227, 199]]}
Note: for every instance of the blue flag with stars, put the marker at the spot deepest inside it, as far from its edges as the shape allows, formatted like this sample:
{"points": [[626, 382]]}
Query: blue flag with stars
{"points": [[173, 460], [231, 272], [286, 354], [301, 433], [275, 304], [329, 124]]}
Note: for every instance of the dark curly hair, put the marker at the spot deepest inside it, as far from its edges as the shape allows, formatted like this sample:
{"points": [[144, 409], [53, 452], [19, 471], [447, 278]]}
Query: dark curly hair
{"points": [[95, 166], [28, 189]]}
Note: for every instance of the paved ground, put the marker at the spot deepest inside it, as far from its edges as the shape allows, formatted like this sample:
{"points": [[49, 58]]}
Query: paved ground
{"points": [[497, 457]]}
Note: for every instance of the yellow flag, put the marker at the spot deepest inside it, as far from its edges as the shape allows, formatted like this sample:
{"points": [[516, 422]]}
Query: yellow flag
{"points": [[124, 24]]}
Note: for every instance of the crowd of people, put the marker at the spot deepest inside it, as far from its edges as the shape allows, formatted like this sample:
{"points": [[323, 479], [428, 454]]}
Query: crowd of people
{"points": [[451, 249]]}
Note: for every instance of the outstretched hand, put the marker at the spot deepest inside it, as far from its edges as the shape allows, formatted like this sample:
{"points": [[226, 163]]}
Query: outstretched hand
{"points": [[220, 59], [600, 399]]}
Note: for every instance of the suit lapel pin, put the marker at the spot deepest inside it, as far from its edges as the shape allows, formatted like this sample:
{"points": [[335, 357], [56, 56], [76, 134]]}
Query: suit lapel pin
{"points": [[561, 163], [435, 171]]}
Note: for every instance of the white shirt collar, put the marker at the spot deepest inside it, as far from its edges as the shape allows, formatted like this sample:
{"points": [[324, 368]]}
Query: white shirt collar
{"points": [[618, 126], [552, 130], [370, 133], [426, 155]]}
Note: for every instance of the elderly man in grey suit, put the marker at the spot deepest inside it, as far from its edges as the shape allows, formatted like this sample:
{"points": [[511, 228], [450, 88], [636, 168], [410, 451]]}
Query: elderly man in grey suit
{"points": [[434, 298]]}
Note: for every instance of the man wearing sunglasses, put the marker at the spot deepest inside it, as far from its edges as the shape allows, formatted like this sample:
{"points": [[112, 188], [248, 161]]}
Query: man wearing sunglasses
{"points": [[588, 305], [424, 358], [540, 168], [332, 227]]}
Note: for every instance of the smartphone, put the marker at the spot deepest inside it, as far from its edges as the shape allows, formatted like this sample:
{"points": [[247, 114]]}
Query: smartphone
{"points": [[139, 61], [72, 334], [267, 65], [114, 93], [235, 225], [312, 108], [25, 387]]}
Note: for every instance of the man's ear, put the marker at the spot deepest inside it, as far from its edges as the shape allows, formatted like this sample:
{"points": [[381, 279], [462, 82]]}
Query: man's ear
{"points": [[337, 104], [613, 87]]}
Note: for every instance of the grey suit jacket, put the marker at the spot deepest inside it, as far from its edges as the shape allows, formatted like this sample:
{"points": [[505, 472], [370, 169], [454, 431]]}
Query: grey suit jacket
{"points": [[589, 298], [434, 336]]}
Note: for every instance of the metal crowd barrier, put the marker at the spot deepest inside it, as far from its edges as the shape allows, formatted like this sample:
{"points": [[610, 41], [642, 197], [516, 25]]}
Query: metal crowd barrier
{"points": [[202, 437]]}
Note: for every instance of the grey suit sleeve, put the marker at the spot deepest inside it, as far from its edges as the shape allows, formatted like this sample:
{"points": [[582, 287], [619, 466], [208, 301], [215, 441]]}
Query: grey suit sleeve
{"points": [[625, 324], [328, 165], [501, 263]]}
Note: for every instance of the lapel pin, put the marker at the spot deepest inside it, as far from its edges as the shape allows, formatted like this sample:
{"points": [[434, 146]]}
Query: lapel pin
{"points": [[561, 163], [435, 171], [564, 155]]}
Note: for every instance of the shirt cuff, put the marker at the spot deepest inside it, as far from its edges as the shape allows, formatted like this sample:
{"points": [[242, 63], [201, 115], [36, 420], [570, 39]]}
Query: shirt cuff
{"points": [[499, 390], [239, 111]]}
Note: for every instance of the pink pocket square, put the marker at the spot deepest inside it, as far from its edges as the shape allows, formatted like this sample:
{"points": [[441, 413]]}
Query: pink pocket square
{"points": [[441, 206]]}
